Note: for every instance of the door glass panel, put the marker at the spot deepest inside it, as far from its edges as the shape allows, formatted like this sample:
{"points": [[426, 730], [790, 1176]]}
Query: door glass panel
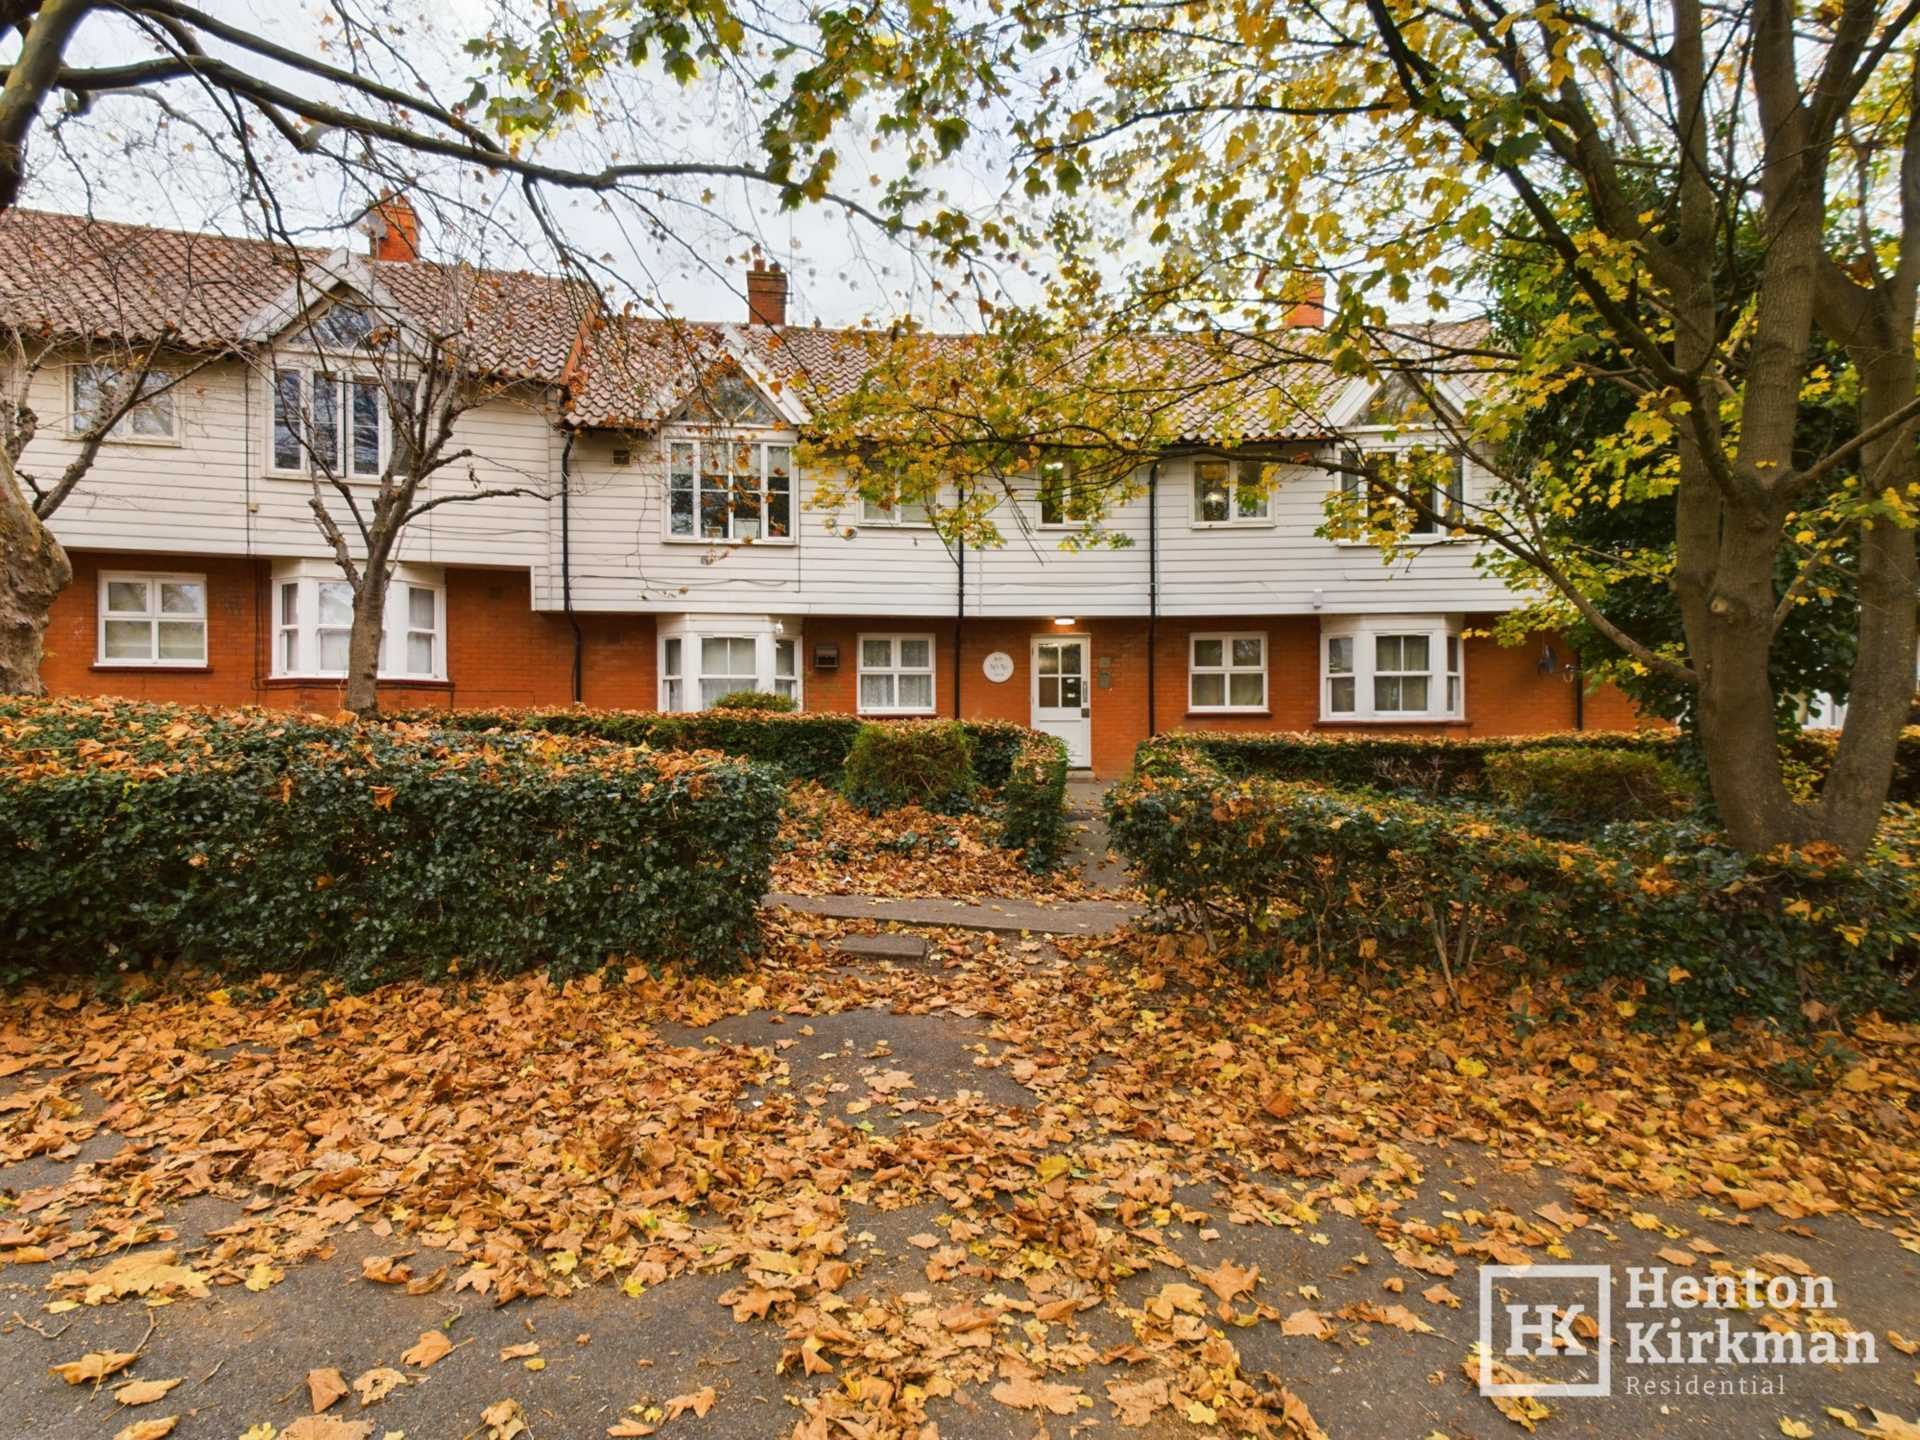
{"points": [[1049, 659], [1070, 692], [1071, 659], [1049, 692]]}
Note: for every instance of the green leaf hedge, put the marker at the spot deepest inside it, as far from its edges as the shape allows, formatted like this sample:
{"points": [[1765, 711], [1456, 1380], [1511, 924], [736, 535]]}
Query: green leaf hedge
{"points": [[1666, 915], [1034, 802], [811, 747], [254, 840]]}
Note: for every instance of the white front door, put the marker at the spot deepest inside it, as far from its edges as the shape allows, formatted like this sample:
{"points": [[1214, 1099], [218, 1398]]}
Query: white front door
{"points": [[1062, 699]]}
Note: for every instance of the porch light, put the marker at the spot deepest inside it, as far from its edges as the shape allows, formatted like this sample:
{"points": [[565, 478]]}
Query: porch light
{"points": [[1063, 620]]}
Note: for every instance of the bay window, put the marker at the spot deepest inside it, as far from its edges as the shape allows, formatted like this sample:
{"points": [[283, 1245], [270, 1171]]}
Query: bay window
{"points": [[1391, 668], [786, 669], [705, 657], [721, 489], [727, 663], [1229, 493], [1227, 672], [896, 674], [152, 619], [313, 625]]}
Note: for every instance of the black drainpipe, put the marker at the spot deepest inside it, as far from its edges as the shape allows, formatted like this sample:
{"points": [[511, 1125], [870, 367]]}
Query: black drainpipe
{"points": [[566, 558], [959, 618], [1153, 584]]}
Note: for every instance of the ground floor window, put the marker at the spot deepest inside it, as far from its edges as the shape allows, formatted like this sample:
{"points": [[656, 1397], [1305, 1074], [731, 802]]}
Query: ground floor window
{"points": [[703, 658], [313, 626], [1391, 668], [896, 674], [152, 619], [1227, 672]]}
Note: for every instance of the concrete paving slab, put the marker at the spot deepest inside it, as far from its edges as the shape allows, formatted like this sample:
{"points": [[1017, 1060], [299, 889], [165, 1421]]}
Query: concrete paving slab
{"points": [[1008, 917]]}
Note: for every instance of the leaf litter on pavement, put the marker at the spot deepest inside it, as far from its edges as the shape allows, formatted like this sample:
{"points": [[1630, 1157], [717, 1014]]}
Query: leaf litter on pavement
{"points": [[519, 1139]]}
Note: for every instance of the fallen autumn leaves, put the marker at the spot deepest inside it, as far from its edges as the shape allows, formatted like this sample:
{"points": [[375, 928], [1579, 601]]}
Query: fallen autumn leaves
{"points": [[513, 1139]]}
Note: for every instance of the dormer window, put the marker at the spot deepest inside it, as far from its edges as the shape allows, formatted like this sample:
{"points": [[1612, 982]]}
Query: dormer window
{"points": [[730, 399], [340, 326]]}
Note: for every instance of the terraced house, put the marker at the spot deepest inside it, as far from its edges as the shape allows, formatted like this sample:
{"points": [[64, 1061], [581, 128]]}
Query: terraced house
{"points": [[654, 542]]}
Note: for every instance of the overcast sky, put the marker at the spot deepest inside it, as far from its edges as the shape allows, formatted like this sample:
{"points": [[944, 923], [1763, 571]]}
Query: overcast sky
{"points": [[129, 160]]}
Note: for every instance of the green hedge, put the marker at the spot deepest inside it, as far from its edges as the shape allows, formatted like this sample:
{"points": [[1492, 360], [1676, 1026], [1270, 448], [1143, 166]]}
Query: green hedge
{"points": [[804, 747], [252, 840], [1034, 818], [1565, 788], [1277, 871], [1433, 766], [913, 762]]}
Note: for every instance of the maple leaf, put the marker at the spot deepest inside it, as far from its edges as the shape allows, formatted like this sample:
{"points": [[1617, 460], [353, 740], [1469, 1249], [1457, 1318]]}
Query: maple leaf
{"points": [[94, 1365], [699, 1402], [1228, 1279], [433, 1345], [505, 1420], [142, 1392], [373, 1386], [1309, 1323], [148, 1429], [1023, 1392], [325, 1387]]}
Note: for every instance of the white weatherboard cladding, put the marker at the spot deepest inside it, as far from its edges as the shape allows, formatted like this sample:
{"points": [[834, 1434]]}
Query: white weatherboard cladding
{"points": [[210, 494]]}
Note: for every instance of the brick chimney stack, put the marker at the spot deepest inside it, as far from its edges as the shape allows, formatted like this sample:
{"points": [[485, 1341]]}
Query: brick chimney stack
{"points": [[766, 294], [1310, 310], [394, 228]]}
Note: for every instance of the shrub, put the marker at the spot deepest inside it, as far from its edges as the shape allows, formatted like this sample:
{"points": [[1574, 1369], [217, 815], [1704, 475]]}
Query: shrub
{"points": [[762, 700], [252, 840], [801, 747], [1034, 818], [1583, 787], [1666, 915], [909, 762]]}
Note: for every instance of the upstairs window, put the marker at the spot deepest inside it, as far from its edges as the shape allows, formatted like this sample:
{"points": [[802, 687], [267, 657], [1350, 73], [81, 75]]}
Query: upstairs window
{"points": [[96, 388], [894, 512], [328, 425], [1443, 494], [1061, 501], [729, 490], [153, 619], [1229, 493]]}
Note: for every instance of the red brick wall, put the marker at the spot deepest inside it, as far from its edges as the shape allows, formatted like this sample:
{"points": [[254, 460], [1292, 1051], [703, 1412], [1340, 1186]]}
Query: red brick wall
{"points": [[499, 650]]}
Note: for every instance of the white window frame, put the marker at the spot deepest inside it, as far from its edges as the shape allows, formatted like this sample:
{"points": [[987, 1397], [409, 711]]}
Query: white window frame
{"points": [[1226, 669], [121, 433], [345, 381], [735, 680], [153, 615], [764, 445], [680, 676], [673, 675], [1068, 492], [895, 669], [789, 682], [1445, 672], [896, 515], [303, 628], [1237, 488], [1364, 453]]}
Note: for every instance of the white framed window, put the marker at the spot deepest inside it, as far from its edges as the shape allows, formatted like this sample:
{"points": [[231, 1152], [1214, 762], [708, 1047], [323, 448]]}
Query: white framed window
{"points": [[896, 512], [152, 619], [1227, 672], [1229, 492], [896, 674], [1392, 667], [328, 424], [786, 669], [313, 626], [727, 663], [153, 419], [1060, 499], [672, 681], [1444, 494], [721, 489]]}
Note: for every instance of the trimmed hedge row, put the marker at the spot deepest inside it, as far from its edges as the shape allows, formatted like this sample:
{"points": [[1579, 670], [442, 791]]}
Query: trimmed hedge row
{"points": [[804, 747], [1034, 815], [1678, 922], [1448, 767], [928, 763], [252, 840]]}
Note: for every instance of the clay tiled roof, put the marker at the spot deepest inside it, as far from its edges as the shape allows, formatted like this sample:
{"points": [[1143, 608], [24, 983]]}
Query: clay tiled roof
{"points": [[64, 275]]}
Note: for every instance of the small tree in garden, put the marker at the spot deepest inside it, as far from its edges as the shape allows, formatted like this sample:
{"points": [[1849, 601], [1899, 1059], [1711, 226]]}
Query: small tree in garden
{"points": [[373, 413]]}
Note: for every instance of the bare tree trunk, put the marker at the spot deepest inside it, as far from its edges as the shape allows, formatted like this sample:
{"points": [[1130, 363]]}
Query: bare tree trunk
{"points": [[363, 640], [34, 569]]}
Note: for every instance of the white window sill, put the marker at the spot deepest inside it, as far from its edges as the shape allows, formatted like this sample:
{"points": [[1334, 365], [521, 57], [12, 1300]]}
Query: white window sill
{"points": [[300, 478], [164, 442], [200, 664], [1409, 540], [1392, 719], [900, 714], [723, 540], [1267, 524], [1228, 710], [338, 677]]}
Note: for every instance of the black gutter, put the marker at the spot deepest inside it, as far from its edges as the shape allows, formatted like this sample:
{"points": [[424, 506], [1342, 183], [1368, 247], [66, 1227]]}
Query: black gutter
{"points": [[566, 559], [1153, 584], [959, 618]]}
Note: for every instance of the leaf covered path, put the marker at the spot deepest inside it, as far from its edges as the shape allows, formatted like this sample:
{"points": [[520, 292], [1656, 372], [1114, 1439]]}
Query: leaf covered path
{"points": [[1009, 1190]]}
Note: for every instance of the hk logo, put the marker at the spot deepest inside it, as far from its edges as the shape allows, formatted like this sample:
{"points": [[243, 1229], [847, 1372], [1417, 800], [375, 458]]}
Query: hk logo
{"points": [[1531, 1313]]}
